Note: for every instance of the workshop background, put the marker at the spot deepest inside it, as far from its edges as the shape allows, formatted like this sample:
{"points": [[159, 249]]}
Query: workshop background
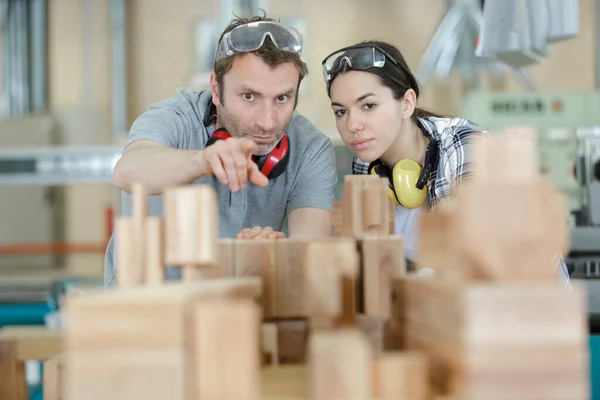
{"points": [[75, 74]]}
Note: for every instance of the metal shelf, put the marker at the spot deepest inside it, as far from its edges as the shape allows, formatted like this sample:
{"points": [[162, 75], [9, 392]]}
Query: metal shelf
{"points": [[47, 166]]}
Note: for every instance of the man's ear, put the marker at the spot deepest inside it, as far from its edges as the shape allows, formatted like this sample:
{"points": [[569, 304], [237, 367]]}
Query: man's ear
{"points": [[410, 103], [214, 88]]}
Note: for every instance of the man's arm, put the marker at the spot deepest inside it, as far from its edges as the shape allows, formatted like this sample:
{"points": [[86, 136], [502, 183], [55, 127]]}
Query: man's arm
{"points": [[157, 156], [311, 199], [156, 153], [309, 222], [157, 167]]}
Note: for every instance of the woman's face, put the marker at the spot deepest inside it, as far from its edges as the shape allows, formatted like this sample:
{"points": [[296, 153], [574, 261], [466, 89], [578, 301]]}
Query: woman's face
{"points": [[368, 117]]}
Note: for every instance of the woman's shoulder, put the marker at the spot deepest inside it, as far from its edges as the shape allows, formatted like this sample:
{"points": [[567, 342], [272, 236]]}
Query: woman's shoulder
{"points": [[444, 128]]}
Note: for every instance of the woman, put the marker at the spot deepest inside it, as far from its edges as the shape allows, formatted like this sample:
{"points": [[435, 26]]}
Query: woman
{"points": [[374, 98]]}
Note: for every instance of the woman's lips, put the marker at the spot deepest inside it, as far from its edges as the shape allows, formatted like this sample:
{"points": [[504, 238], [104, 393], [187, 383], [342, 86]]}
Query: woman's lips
{"points": [[361, 144]]}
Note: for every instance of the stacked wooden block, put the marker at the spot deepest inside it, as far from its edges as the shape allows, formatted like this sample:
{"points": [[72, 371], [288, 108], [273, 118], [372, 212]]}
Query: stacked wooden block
{"points": [[338, 317], [250, 319], [494, 323]]}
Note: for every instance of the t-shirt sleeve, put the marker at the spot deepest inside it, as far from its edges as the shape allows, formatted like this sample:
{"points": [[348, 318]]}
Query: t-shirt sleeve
{"points": [[316, 180], [164, 122]]}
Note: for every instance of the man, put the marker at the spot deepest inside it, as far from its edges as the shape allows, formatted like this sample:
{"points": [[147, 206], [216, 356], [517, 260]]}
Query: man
{"points": [[253, 95]]}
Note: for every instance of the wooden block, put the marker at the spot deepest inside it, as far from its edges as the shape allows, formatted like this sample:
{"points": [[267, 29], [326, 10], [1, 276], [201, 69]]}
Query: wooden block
{"points": [[329, 264], [125, 253], [257, 257], [510, 232], [392, 217], [382, 259], [292, 336], [353, 204], [374, 329], [485, 313], [394, 335], [33, 342], [291, 270], [227, 257], [53, 379], [269, 342], [191, 228], [288, 382], [340, 365], [372, 214], [155, 268], [398, 303], [139, 213], [114, 319], [13, 383], [401, 375], [375, 203], [226, 359], [496, 341], [435, 243], [337, 221], [126, 374], [509, 156]]}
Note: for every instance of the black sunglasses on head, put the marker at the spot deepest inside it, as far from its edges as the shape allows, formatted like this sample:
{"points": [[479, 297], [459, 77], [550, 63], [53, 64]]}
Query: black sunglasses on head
{"points": [[360, 56]]}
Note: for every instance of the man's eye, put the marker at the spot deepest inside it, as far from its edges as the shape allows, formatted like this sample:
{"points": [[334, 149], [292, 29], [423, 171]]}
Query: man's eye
{"points": [[248, 96], [282, 99]]}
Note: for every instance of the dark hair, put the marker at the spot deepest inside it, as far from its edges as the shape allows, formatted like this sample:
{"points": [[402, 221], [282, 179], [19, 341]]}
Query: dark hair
{"points": [[269, 53], [399, 80]]}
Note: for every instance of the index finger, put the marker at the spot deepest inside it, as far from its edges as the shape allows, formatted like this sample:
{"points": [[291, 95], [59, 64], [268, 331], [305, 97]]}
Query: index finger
{"points": [[247, 145], [255, 176]]}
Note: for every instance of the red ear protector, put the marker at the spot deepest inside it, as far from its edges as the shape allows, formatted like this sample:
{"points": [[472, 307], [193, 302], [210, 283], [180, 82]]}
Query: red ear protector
{"points": [[271, 165]]}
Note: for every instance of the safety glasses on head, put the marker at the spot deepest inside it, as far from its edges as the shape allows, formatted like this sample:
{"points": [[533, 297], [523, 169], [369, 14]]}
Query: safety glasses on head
{"points": [[251, 37], [360, 56]]}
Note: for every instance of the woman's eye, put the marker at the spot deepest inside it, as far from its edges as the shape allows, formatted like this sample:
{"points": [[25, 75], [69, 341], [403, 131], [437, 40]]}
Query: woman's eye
{"points": [[369, 106], [339, 113]]}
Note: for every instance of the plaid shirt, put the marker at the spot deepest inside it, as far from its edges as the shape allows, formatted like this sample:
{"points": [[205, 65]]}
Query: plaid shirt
{"points": [[453, 136]]}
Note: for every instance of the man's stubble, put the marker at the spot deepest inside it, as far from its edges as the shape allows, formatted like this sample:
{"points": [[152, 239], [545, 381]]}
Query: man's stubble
{"points": [[228, 121]]}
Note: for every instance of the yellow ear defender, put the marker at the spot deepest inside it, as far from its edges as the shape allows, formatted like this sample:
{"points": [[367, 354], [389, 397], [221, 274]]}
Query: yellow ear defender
{"points": [[407, 180]]}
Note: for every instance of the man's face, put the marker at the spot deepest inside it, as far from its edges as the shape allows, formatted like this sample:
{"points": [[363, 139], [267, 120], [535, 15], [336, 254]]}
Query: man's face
{"points": [[258, 101]]}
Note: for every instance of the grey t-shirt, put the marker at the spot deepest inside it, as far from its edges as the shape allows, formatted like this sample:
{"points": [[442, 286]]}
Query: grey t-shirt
{"points": [[308, 181]]}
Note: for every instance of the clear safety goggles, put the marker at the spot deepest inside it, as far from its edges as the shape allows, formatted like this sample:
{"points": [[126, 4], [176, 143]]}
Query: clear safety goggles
{"points": [[251, 37], [361, 56]]}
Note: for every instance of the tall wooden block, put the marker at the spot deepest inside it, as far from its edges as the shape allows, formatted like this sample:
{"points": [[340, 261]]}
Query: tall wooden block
{"points": [[257, 257], [497, 341], [382, 259], [340, 365], [192, 229], [226, 355]]}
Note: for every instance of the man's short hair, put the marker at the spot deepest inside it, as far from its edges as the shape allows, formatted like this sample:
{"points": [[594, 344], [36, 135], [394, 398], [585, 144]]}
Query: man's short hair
{"points": [[269, 53]]}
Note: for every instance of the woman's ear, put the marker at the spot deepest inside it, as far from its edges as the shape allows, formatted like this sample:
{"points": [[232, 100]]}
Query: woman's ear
{"points": [[409, 103]]}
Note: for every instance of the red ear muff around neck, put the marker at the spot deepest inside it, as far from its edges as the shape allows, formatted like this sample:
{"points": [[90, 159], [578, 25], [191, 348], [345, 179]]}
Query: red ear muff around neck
{"points": [[273, 164], [219, 134]]}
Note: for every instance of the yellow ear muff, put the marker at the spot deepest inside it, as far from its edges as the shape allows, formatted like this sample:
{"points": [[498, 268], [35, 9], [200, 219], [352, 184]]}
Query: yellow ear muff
{"points": [[405, 176], [384, 172]]}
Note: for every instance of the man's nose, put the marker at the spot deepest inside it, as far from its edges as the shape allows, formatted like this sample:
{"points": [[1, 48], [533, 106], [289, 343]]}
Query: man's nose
{"points": [[266, 117]]}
